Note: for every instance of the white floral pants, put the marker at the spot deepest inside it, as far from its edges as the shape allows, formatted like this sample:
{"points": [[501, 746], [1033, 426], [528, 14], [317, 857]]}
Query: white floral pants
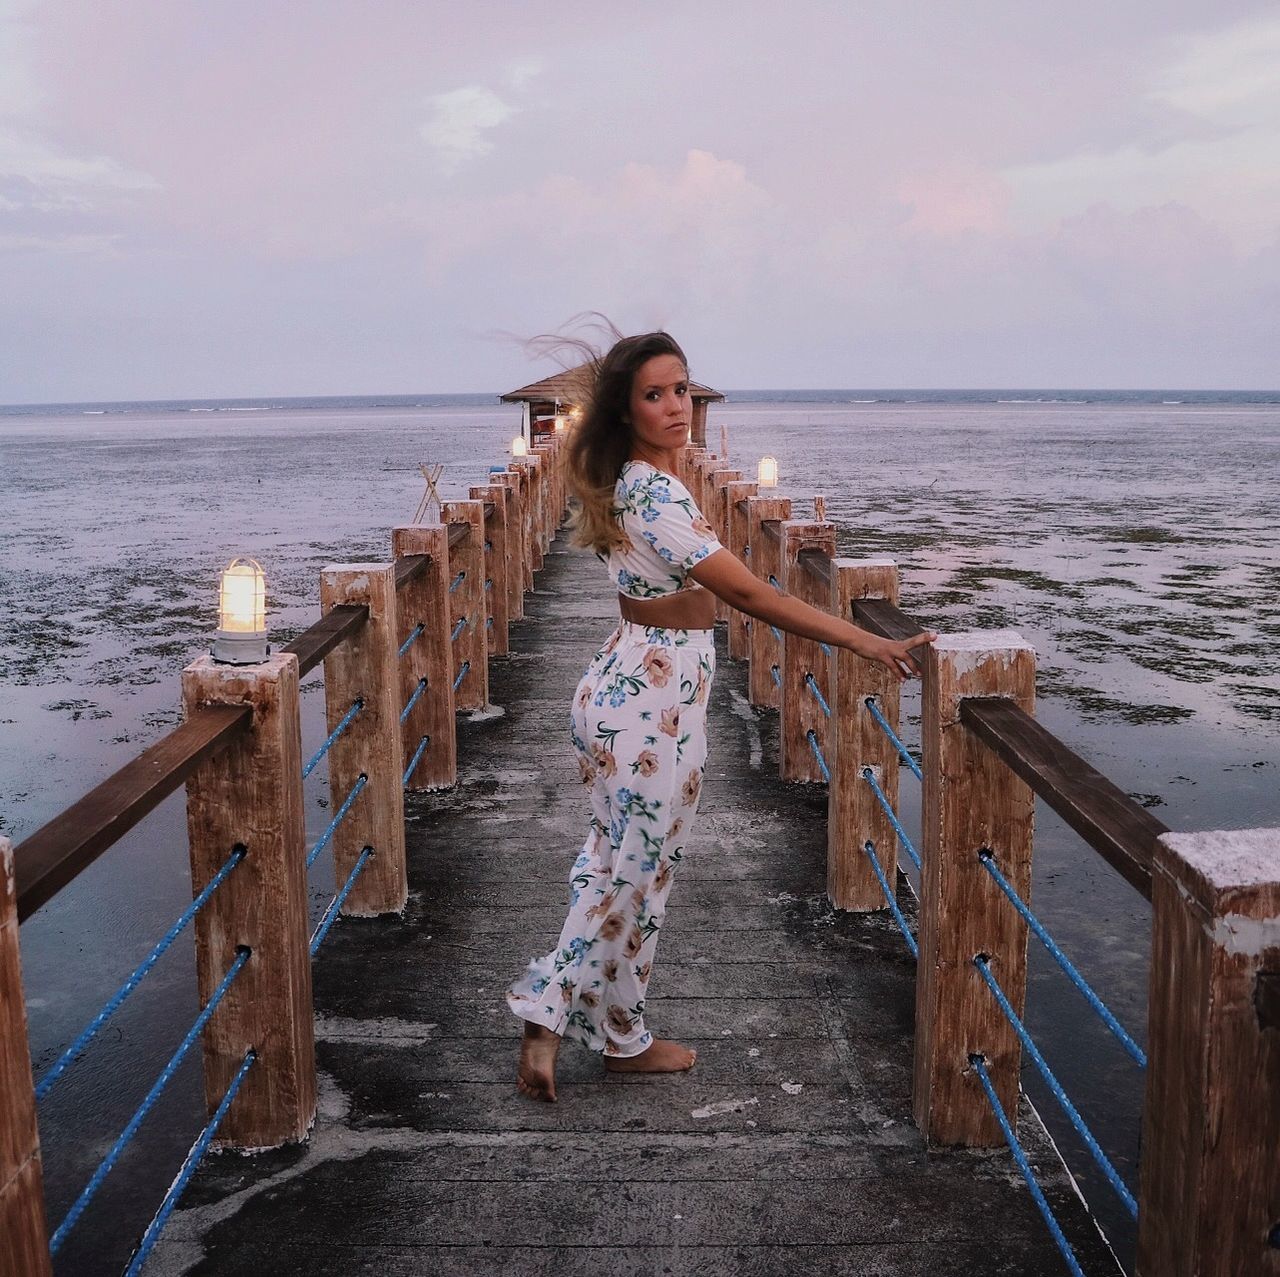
{"points": [[639, 729]]}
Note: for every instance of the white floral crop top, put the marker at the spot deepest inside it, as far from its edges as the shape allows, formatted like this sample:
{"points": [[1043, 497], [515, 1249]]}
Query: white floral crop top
{"points": [[663, 531]]}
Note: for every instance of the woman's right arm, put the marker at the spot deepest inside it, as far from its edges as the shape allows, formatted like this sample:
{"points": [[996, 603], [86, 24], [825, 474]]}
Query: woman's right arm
{"points": [[728, 578]]}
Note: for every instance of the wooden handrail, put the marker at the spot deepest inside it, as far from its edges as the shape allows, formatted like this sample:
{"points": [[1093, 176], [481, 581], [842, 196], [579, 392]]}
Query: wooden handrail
{"points": [[409, 568], [57, 852], [1119, 829], [314, 644], [883, 618], [816, 563], [772, 528], [458, 533]]}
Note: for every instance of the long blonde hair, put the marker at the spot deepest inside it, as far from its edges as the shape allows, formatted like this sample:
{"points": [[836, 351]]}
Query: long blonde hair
{"points": [[601, 441]]}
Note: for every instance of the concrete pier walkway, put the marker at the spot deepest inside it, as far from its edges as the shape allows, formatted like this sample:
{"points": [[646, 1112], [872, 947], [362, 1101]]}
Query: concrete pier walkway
{"points": [[788, 1149]]}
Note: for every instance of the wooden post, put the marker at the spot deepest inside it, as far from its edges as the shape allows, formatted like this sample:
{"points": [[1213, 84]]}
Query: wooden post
{"points": [[698, 424], [496, 551], [737, 544], [533, 512], [367, 667], [800, 709], [250, 795], [24, 1244], [466, 604], [718, 517], [518, 555], [1210, 1173], [971, 801], [545, 453], [854, 817], [425, 600], [766, 561]]}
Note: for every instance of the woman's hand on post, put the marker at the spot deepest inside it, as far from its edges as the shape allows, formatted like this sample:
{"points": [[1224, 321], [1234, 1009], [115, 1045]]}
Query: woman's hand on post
{"points": [[897, 654]]}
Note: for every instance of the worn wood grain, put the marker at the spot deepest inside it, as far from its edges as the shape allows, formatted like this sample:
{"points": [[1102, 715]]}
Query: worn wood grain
{"points": [[718, 516], [736, 495], [766, 562], [467, 604], [801, 712], [317, 641], [496, 552]]}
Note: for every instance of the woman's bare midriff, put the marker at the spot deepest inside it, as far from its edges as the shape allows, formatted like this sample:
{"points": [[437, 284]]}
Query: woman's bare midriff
{"points": [[688, 610]]}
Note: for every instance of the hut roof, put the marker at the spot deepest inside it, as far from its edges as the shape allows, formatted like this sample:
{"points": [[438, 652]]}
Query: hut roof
{"points": [[562, 387]]}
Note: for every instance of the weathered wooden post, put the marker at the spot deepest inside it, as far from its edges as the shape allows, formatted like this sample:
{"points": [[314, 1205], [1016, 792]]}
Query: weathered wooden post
{"points": [[698, 423], [495, 565], [737, 543], [854, 817], [545, 452], [521, 574], [24, 1243], [250, 796], [971, 801], [765, 673], [531, 467], [718, 517], [1210, 1173], [424, 601], [802, 658], [466, 596], [366, 667]]}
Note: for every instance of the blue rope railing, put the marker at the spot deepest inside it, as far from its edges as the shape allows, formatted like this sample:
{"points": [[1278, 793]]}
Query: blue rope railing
{"points": [[356, 706], [1019, 1156], [777, 678], [69, 1056], [891, 899], [414, 634], [457, 581], [812, 738], [1100, 1007], [777, 633], [462, 673], [869, 776], [323, 841], [812, 684], [488, 585], [335, 904], [826, 648], [413, 700], [417, 757], [166, 1075], [903, 752], [193, 1160], [773, 581], [983, 965], [457, 629]]}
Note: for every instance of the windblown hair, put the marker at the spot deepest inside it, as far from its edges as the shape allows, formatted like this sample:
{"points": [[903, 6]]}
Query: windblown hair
{"points": [[600, 442]]}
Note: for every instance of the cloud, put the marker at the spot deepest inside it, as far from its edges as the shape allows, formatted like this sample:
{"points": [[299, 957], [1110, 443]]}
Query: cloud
{"points": [[460, 121]]}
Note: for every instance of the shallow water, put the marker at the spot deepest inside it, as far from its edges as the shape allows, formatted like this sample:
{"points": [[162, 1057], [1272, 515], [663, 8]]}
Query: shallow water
{"points": [[1134, 544]]}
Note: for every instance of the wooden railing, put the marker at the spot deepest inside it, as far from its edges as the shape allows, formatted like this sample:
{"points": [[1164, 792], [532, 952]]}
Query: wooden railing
{"points": [[452, 588], [1209, 1193]]}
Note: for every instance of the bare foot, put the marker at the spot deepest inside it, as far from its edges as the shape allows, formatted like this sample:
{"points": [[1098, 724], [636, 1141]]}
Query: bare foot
{"points": [[659, 1056], [536, 1074]]}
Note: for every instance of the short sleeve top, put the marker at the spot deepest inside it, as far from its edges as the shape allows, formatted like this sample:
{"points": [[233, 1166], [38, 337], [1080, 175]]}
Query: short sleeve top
{"points": [[663, 533]]}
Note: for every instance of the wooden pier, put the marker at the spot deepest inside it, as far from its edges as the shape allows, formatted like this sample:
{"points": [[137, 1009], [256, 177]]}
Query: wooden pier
{"points": [[789, 1148]]}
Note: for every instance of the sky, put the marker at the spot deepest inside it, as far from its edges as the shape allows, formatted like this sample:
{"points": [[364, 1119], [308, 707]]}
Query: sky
{"points": [[272, 197]]}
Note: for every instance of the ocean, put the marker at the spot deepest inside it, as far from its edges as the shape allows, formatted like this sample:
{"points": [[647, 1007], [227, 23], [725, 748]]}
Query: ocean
{"points": [[1132, 537]]}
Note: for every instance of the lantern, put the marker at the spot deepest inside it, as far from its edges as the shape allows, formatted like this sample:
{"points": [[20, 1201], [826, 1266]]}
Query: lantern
{"points": [[518, 447], [241, 638], [767, 473]]}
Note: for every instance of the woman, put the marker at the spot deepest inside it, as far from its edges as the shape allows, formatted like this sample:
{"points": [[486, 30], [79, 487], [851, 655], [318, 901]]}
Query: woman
{"points": [[639, 716]]}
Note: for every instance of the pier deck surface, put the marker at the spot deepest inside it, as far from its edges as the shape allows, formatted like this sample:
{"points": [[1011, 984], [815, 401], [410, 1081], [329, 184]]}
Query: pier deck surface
{"points": [[788, 1149]]}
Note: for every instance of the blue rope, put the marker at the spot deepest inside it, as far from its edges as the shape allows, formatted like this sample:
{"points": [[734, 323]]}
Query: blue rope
{"points": [[488, 625], [892, 900], [457, 629], [817, 753], [193, 1160], [336, 903], [462, 673], [105, 1166], [361, 781], [1104, 1162], [488, 585], [817, 691], [777, 633], [869, 776], [1025, 1167], [1137, 1053], [413, 634], [457, 581], [773, 581], [826, 648], [413, 700], [903, 752], [69, 1055], [777, 678], [417, 757], [356, 706]]}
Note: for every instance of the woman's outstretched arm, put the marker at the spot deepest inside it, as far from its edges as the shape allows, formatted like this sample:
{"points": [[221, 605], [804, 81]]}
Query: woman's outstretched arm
{"points": [[728, 578]]}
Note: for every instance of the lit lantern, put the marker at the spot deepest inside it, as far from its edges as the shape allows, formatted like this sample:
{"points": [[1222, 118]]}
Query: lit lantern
{"points": [[561, 424], [241, 638], [767, 473], [518, 447]]}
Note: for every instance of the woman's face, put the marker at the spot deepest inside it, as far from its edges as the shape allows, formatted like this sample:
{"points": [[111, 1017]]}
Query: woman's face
{"points": [[660, 409]]}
